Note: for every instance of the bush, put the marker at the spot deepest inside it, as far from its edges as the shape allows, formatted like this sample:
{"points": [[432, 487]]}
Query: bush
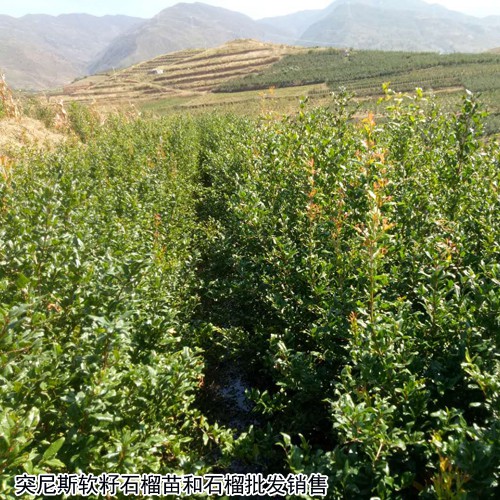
{"points": [[348, 268], [361, 261], [95, 267]]}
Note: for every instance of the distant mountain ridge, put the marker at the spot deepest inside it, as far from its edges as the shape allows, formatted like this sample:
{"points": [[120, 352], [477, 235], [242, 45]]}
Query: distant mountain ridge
{"points": [[295, 24], [39, 51], [410, 25]]}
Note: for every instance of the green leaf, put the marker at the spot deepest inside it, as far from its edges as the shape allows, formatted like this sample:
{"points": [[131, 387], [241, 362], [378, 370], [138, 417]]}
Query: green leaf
{"points": [[55, 463], [22, 280], [52, 450]]}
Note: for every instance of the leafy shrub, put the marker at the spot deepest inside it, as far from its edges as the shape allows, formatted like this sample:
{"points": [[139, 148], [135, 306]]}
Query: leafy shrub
{"points": [[43, 111], [83, 121], [348, 267], [95, 269], [352, 253]]}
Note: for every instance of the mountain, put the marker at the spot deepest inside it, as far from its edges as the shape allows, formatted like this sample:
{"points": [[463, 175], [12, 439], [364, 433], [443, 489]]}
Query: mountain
{"points": [[183, 26], [491, 21], [410, 25], [41, 51], [293, 25]]}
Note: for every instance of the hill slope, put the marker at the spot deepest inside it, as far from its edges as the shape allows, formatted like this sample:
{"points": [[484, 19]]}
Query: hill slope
{"points": [[40, 51], [184, 72], [293, 25], [392, 25], [183, 26]]}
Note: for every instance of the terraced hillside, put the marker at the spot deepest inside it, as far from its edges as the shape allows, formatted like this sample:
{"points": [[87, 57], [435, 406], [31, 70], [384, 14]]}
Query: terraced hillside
{"points": [[248, 77], [179, 73]]}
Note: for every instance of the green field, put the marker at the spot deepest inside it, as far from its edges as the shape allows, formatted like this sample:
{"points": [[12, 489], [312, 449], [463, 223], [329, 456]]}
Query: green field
{"points": [[364, 73], [367, 69], [342, 270]]}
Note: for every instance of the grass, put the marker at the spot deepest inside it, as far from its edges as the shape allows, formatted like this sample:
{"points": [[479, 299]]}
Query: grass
{"points": [[247, 103]]}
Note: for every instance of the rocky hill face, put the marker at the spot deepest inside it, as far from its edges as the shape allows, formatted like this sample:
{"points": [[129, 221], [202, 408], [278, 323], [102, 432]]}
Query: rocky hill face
{"points": [[40, 51]]}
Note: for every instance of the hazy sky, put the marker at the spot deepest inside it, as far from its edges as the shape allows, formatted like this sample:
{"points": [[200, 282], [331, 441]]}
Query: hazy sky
{"points": [[253, 8]]}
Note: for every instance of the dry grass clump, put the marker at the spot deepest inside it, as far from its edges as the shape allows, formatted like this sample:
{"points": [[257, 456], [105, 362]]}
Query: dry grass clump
{"points": [[16, 133], [5, 168], [26, 124], [9, 105]]}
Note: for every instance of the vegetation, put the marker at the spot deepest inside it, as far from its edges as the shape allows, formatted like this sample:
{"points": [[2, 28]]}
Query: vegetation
{"points": [[8, 106], [343, 67], [215, 79], [349, 269], [364, 72]]}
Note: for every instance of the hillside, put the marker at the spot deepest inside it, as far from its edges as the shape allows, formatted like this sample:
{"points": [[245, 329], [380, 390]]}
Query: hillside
{"points": [[26, 132], [40, 51], [247, 76], [183, 26], [374, 24], [180, 73], [393, 25]]}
